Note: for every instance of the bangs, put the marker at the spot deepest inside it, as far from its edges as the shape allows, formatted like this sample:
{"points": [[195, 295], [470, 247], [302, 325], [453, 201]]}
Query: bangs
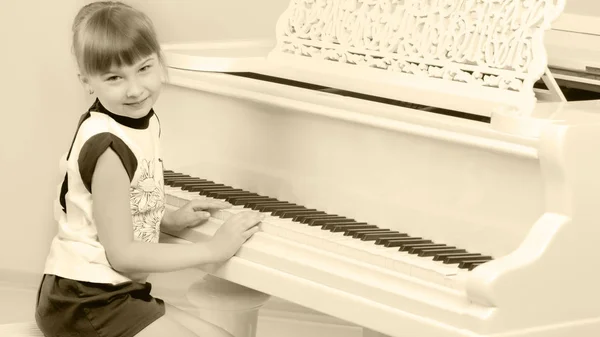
{"points": [[116, 38]]}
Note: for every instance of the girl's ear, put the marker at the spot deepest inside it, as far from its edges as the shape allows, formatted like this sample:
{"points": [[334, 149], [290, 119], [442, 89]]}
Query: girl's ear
{"points": [[85, 83]]}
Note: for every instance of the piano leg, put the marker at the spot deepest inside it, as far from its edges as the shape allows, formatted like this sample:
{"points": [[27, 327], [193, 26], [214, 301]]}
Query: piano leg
{"points": [[226, 304], [371, 333]]}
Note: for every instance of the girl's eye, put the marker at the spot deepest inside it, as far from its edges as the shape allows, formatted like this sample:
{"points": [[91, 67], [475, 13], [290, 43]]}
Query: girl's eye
{"points": [[112, 78], [144, 68]]}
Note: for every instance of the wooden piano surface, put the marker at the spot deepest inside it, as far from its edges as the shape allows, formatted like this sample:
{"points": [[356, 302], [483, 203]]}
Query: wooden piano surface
{"points": [[519, 186]]}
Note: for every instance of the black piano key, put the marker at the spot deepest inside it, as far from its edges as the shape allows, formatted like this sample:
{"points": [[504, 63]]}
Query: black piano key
{"points": [[418, 247], [225, 194], [409, 246], [394, 242], [379, 236], [458, 259], [455, 256], [198, 188], [251, 201], [278, 211], [465, 264], [301, 218], [258, 203], [342, 226], [215, 194], [317, 219], [239, 192], [292, 214], [198, 185], [277, 206], [170, 179], [269, 207], [247, 200], [175, 174], [352, 231], [475, 265], [436, 251], [182, 182], [323, 222], [205, 191], [344, 230], [182, 178], [385, 238], [401, 242], [362, 235]]}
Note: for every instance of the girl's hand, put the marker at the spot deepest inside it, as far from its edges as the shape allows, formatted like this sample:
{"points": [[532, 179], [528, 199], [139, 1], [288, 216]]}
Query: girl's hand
{"points": [[233, 233], [192, 214]]}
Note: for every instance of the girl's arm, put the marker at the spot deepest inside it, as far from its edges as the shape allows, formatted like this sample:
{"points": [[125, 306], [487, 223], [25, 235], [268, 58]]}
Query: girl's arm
{"points": [[112, 214]]}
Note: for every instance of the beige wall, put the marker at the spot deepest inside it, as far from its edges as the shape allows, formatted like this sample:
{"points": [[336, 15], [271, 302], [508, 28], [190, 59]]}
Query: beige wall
{"points": [[42, 100]]}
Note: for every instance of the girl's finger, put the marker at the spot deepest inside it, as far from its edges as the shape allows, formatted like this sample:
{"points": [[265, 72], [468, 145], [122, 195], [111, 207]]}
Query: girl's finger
{"points": [[247, 234], [200, 204]]}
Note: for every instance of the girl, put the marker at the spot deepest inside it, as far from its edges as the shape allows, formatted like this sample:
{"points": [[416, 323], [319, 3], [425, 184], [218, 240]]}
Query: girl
{"points": [[110, 205]]}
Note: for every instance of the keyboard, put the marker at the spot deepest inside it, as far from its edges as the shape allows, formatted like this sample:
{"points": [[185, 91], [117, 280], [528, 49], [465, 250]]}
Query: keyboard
{"points": [[355, 239]]}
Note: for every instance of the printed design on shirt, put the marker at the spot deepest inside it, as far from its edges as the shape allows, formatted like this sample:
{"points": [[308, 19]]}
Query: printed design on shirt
{"points": [[147, 204]]}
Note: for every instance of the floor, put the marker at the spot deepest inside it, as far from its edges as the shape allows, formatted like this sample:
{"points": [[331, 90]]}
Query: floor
{"points": [[17, 304], [277, 318]]}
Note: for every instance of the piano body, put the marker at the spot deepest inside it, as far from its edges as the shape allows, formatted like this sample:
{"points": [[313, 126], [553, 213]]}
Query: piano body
{"points": [[438, 121]]}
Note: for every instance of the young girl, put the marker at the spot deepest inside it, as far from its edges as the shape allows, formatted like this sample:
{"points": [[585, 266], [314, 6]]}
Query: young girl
{"points": [[111, 204]]}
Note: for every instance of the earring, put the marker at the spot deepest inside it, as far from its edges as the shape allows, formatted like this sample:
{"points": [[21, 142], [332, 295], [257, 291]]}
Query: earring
{"points": [[91, 92]]}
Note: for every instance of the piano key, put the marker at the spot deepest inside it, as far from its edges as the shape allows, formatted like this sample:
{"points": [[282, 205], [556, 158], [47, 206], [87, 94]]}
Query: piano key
{"points": [[205, 191], [170, 180], [371, 233], [249, 201], [226, 195], [467, 263], [291, 214], [435, 251], [196, 186], [302, 218], [282, 210], [223, 194], [381, 238], [418, 247], [384, 239], [345, 226], [326, 221], [400, 241], [474, 265], [181, 182], [352, 231], [271, 206], [200, 187], [455, 257]]}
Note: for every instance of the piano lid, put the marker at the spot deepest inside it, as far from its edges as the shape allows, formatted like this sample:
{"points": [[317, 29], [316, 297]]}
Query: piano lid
{"points": [[573, 45], [463, 54]]}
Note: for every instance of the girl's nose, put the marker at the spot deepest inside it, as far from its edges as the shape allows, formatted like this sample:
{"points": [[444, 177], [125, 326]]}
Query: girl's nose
{"points": [[134, 89]]}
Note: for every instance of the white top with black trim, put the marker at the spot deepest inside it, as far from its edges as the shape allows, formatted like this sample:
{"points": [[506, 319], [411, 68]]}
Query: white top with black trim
{"points": [[76, 252]]}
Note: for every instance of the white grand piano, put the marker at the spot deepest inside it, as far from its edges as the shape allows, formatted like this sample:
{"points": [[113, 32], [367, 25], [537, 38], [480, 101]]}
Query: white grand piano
{"points": [[427, 168]]}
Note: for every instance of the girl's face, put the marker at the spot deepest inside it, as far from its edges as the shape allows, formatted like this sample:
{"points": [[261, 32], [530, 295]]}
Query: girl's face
{"points": [[128, 91]]}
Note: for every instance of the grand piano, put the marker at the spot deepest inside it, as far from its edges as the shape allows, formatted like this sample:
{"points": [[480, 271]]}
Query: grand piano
{"points": [[426, 168]]}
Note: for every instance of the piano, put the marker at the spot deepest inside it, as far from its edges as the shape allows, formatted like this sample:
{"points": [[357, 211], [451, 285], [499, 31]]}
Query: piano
{"points": [[426, 168]]}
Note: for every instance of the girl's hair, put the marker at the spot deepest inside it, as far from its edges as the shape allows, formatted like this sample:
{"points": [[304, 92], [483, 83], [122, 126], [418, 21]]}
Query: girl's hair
{"points": [[110, 33]]}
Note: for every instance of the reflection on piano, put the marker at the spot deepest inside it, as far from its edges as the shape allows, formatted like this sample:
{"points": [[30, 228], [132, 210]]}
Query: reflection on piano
{"points": [[424, 172]]}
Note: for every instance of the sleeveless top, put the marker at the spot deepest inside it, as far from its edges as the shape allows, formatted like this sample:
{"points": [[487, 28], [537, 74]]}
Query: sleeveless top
{"points": [[76, 252]]}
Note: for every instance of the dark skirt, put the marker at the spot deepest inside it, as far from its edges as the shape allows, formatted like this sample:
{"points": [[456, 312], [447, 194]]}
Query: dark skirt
{"points": [[73, 308]]}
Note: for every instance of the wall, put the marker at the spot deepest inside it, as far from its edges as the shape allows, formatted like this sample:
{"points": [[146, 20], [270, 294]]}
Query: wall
{"points": [[41, 101]]}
